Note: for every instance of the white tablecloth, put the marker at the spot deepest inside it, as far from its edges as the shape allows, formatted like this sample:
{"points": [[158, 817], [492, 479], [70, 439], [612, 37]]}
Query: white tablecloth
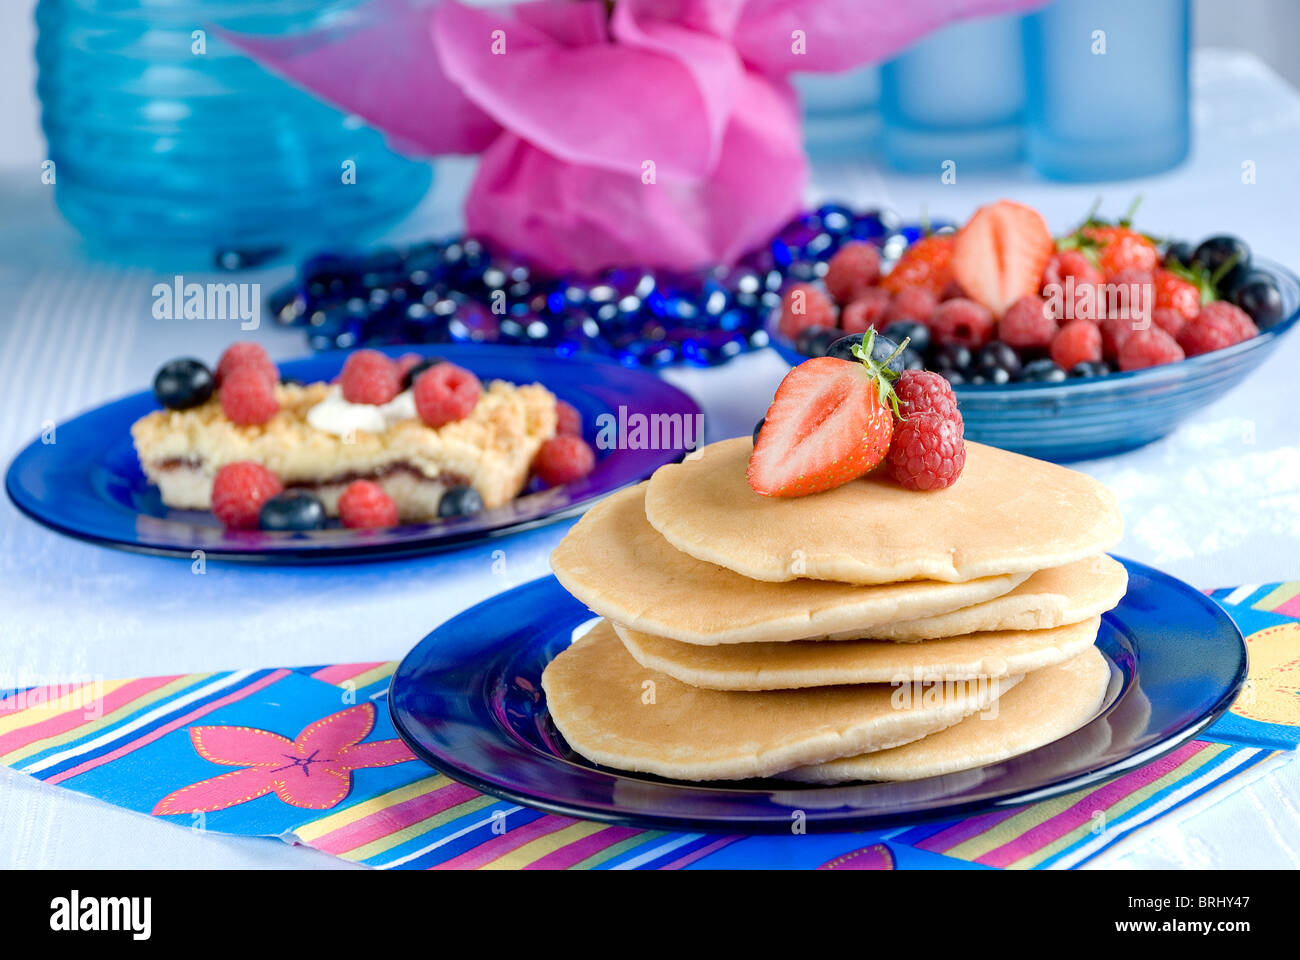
{"points": [[1217, 503]]}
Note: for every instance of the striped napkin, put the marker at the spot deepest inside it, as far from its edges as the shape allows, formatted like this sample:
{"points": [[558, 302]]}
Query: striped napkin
{"points": [[308, 755]]}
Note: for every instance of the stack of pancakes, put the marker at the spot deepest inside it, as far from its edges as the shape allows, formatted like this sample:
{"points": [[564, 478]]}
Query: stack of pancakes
{"points": [[865, 633]]}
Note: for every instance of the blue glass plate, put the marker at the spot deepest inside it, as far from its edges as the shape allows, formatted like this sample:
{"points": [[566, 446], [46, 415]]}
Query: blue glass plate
{"points": [[89, 484], [468, 700]]}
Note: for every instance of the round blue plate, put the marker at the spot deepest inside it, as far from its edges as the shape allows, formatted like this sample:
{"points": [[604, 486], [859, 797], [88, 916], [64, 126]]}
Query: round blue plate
{"points": [[89, 484], [468, 700]]}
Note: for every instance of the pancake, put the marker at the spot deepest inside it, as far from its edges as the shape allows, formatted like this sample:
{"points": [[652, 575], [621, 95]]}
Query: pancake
{"points": [[597, 697], [1049, 598], [813, 663], [1046, 706], [1006, 513], [619, 566]]}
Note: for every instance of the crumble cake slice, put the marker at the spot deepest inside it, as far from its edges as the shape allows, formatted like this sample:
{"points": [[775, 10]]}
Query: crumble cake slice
{"points": [[491, 450]]}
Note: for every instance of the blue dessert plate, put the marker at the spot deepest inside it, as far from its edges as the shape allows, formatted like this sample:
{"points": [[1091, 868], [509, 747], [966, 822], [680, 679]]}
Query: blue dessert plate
{"points": [[88, 483], [468, 700]]}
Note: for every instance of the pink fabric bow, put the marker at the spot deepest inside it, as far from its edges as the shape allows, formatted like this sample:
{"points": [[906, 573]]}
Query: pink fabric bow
{"points": [[663, 133]]}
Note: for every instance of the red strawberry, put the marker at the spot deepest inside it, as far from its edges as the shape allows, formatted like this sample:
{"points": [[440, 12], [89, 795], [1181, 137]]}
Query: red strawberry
{"points": [[1119, 248], [830, 422], [1000, 254], [926, 263], [1176, 293]]}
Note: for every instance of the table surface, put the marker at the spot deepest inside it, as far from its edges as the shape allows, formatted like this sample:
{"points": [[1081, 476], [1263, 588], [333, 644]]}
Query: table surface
{"points": [[1217, 503]]}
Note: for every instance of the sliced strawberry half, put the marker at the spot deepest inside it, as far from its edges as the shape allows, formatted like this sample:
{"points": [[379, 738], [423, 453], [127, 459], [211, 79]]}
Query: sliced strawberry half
{"points": [[829, 423], [1000, 254]]}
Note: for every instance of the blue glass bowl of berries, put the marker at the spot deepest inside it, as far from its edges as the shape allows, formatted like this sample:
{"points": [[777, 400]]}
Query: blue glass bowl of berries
{"points": [[1082, 417]]}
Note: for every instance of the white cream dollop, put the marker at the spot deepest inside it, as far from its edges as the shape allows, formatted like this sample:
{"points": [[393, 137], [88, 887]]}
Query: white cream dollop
{"points": [[339, 417]]}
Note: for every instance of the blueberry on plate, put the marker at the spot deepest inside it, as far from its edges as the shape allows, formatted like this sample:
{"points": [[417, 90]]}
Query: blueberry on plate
{"points": [[1258, 295], [1214, 253], [954, 377], [997, 358], [1089, 369], [460, 501], [815, 341], [917, 334], [881, 349], [1179, 254], [182, 384], [1041, 371], [912, 359], [292, 510], [757, 427], [427, 363], [952, 356]]}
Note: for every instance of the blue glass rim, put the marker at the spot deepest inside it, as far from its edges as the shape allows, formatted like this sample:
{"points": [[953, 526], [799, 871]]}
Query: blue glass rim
{"points": [[89, 484], [467, 700]]}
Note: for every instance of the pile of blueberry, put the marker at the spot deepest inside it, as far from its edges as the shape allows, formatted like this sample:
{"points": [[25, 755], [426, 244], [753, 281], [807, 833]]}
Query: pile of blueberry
{"points": [[458, 291]]}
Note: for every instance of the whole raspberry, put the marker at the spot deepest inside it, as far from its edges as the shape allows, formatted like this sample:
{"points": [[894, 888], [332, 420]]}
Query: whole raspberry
{"points": [[568, 421], [853, 270], [805, 306], [370, 377], [1169, 319], [246, 353], [1114, 331], [238, 491], [1219, 324], [1077, 342], [364, 504], [408, 362], [562, 460], [911, 304], [1148, 348], [1027, 324], [445, 393], [865, 313], [927, 452], [1070, 263], [248, 397], [921, 392], [962, 322]]}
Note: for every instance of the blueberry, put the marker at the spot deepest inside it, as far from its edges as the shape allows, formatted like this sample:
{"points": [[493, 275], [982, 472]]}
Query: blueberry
{"points": [[1259, 296], [460, 501], [1215, 252], [182, 384], [815, 341], [292, 510], [954, 377], [881, 348], [998, 356], [912, 359], [1089, 369], [917, 334], [757, 427], [1041, 371], [952, 356], [425, 364], [1179, 254]]}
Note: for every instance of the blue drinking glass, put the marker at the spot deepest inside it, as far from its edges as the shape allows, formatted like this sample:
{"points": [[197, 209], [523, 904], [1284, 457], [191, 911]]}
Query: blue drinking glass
{"points": [[161, 151], [959, 95], [1107, 83]]}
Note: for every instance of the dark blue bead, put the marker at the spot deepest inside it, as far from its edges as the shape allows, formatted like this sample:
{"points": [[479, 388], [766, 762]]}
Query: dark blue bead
{"points": [[713, 347], [835, 218], [872, 225], [644, 353], [474, 323]]}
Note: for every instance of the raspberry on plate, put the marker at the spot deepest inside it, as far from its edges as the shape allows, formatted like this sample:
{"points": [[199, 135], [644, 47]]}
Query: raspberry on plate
{"points": [[248, 397], [923, 391], [1148, 348], [927, 453], [246, 353], [1027, 324], [563, 459], [1079, 341], [963, 322], [445, 393], [911, 305], [1219, 324], [365, 505], [568, 421], [239, 491], [370, 377], [804, 306], [1169, 320], [1070, 263], [853, 270], [867, 312]]}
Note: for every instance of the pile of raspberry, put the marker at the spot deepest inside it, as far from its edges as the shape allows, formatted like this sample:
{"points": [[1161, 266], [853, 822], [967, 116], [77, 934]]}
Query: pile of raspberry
{"points": [[1040, 337]]}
